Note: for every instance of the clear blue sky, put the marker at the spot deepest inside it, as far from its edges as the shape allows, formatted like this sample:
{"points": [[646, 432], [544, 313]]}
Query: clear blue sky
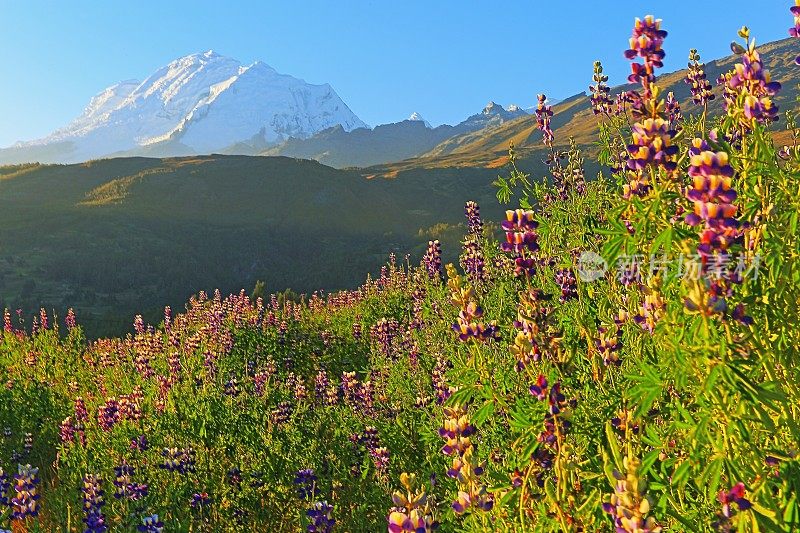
{"points": [[444, 59]]}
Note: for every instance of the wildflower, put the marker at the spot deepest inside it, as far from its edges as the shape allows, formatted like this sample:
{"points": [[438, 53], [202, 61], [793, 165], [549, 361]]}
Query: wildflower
{"points": [[383, 333], [25, 503], [412, 510], [108, 414], [629, 505], [652, 145], [7, 327], [234, 476], [712, 195], [565, 278], [439, 382], [139, 444], [178, 460], [380, 458], [751, 90], [473, 262], [433, 260], [457, 431], [125, 486], [306, 483], [474, 223], [70, 320], [521, 240], [601, 102], [624, 421], [199, 499], [536, 337], [734, 495], [81, 414], [468, 328], [93, 504], [646, 43], [544, 113], [608, 345], [5, 486], [539, 389], [282, 413], [696, 79], [794, 31], [321, 518], [672, 108], [652, 308], [67, 431], [151, 524]]}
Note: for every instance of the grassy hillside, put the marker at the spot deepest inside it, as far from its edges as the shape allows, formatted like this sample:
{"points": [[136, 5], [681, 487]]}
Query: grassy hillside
{"points": [[120, 236], [488, 148]]}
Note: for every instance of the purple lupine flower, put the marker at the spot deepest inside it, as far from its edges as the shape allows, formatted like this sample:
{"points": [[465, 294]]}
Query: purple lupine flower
{"points": [[751, 81], [794, 31], [735, 495], [199, 499], [151, 524], [383, 333], [629, 505], [5, 486], [320, 518], [108, 414], [565, 278], [521, 240], [125, 486], [473, 262], [306, 482], [25, 502], [544, 113], [539, 389], [181, 460], [468, 327], [474, 223], [7, 327], [646, 43], [67, 431], [433, 260], [282, 413], [696, 79], [439, 382], [652, 145], [608, 345], [93, 504], [70, 320], [601, 102]]}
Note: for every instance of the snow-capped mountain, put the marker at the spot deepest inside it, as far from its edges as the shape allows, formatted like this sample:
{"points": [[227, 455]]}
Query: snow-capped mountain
{"points": [[416, 117], [200, 103]]}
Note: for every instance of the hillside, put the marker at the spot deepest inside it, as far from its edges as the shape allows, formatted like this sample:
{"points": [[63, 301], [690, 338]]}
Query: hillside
{"points": [[488, 147], [114, 237], [364, 147]]}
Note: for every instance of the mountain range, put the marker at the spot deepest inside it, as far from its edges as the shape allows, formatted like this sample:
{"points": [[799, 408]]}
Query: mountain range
{"points": [[200, 103], [207, 103]]}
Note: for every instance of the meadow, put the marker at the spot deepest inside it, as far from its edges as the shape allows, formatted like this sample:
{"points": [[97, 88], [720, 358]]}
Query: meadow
{"points": [[623, 358]]}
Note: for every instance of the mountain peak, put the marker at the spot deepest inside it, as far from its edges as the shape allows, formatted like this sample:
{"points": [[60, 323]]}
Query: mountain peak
{"points": [[492, 107], [416, 117], [204, 102]]}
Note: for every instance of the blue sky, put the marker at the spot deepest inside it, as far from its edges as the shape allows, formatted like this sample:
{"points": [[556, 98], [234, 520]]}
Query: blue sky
{"points": [[386, 59]]}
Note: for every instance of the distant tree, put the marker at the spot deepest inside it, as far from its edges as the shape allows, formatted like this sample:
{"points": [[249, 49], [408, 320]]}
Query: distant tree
{"points": [[259, 291]]}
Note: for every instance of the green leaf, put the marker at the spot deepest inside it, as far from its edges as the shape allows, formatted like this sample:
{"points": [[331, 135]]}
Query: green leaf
{"points": [[482, 414]]}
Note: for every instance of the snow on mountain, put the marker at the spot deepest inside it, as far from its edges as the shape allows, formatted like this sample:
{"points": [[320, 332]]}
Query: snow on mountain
{"points": [[416, 117], [204, 102]]}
